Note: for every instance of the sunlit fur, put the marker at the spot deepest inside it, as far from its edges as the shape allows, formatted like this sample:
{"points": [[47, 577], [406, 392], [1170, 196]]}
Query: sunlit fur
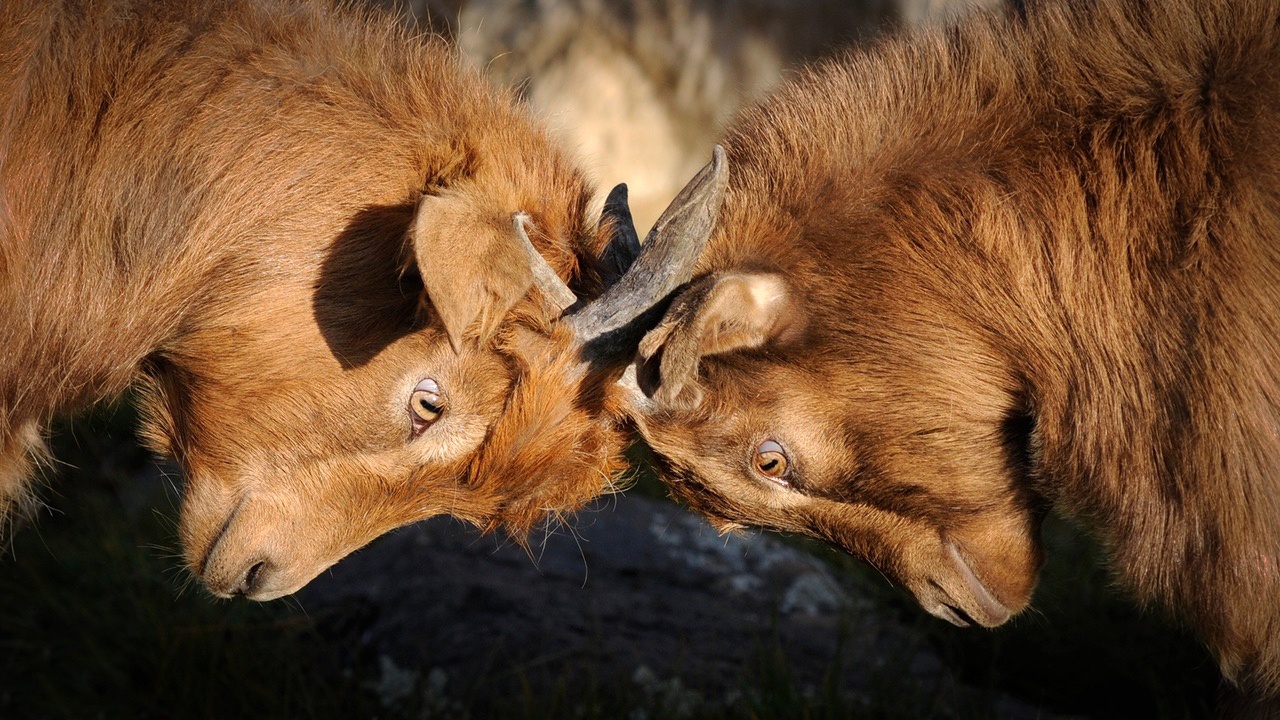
{"points": [[212, 202], [1039, 258]]}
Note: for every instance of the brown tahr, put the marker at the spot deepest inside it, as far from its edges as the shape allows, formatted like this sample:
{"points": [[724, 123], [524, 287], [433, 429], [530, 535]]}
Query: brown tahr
{"points": [[309, 240], [973, 273]]}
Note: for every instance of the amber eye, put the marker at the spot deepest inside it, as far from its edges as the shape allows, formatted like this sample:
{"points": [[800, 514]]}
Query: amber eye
{"points": [[772, 462], [426, 405]]}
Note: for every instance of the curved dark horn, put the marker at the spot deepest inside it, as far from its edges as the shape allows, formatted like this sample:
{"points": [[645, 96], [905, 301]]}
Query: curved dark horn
{"points": [[624, 247], [544, 278], [612, 324]]}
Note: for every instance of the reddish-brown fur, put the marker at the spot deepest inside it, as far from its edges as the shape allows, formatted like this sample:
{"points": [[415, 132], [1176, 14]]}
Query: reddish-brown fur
{"points": [[221, 204], [1029, 261]]}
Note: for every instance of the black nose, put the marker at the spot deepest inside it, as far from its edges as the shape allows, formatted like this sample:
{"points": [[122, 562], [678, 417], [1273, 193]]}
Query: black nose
{"points": [[249, 582]]}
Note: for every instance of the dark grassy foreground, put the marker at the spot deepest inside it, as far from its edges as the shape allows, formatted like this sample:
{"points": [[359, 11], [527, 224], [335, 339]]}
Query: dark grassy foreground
{"points": [[98, 622]]}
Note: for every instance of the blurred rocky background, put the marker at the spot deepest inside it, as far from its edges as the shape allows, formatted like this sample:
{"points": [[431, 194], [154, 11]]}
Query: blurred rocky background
{"points": [[642, 89]]}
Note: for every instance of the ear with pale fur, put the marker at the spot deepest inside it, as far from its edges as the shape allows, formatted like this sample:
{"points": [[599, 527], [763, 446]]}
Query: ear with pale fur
{"points": [[717, 314], [472, 265]]}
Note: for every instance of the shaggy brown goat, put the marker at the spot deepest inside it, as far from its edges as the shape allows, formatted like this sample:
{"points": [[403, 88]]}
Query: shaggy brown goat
{"points": [[305, 236], [974, 273]]}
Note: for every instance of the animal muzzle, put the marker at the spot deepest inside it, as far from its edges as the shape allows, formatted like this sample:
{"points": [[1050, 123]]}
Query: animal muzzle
{"points": [[970, 575], [958, 596], [259, 556]]}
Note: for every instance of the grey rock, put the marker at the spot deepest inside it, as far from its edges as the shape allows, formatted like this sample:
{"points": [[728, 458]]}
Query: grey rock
{"points": [[638, 593]]}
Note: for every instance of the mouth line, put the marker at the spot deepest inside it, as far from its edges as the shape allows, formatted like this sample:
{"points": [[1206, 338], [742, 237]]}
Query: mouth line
{"points": [[954, 615], [226, 525], [995, 611], [965, 619]]}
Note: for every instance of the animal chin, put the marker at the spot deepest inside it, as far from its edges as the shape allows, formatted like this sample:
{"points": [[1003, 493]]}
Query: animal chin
{"points": [[982, 609]]}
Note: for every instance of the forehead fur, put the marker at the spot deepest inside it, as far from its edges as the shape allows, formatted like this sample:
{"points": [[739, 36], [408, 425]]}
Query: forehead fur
{"points": [[557, 443]]}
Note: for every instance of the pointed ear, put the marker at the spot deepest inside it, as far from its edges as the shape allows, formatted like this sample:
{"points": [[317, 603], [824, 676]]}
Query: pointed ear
{"points": [[717, 314], [472, 265]]}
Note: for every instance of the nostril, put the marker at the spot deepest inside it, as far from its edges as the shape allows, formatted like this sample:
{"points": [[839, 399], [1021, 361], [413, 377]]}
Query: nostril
{"points": [[251, 578], [249, 583]]}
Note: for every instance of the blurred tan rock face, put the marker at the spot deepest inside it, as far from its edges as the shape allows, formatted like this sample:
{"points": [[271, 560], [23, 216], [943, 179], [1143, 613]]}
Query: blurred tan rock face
{"points": [[640, 90]]}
